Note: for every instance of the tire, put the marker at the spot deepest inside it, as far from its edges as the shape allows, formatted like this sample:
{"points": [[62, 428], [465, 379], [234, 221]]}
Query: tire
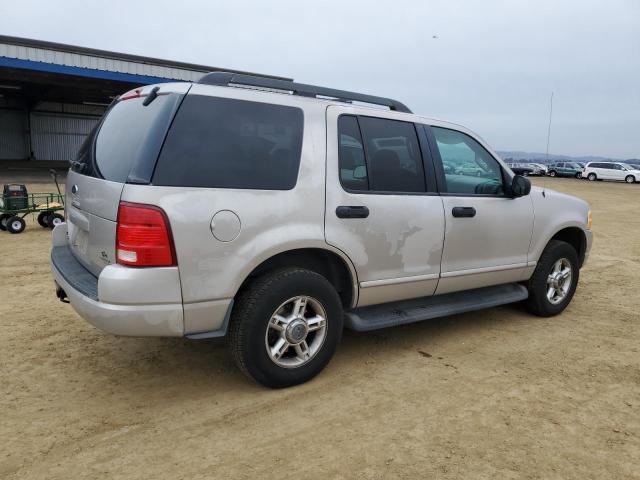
{"points": [[43, 219], [592, 177], [578, 175], [3, 220], [552, 173], [539, 287], [54, 219], [630, 179], [252, 333], [16, 224]]}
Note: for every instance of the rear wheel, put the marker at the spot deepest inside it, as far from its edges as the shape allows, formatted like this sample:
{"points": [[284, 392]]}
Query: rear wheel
{"points": [[43, 219], [54, 220], [578, 175], [554, 281], [16, 224], [630, 179], [592, 177], [3, 220], [285, 327]]}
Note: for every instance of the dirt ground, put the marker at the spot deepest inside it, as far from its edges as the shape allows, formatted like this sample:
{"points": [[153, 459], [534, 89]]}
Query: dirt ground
{"points": [[491, 394]]}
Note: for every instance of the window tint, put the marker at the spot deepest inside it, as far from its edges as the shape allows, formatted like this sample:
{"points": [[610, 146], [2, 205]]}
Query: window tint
{"points": [[468, 167], [227, 143], [353, 169], [393, 155], [129, 133]]}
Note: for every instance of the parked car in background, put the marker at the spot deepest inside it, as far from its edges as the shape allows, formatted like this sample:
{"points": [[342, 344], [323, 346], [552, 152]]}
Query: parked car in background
{"points": [[521, 169], [622, 172], [565, 169], [539, 169]]}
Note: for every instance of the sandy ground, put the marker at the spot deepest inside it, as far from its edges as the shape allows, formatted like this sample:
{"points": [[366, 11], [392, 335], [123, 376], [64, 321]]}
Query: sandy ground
{"points": [[491, 394]]}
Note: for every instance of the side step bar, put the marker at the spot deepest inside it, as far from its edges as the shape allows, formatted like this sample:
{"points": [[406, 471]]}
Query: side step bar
{"points": [[415, 310]]}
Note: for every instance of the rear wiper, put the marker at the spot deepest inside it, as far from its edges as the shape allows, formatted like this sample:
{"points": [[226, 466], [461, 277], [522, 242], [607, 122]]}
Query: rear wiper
{"points": [[77, 166], [153, 94]]}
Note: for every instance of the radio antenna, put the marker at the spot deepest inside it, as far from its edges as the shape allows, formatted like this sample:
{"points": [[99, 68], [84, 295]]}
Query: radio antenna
{"points": [[548, 138]]}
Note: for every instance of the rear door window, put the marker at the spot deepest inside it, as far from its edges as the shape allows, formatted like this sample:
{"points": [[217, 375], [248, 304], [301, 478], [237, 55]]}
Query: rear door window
{"points": [[393, 155], [353, 167], [226, 143]]}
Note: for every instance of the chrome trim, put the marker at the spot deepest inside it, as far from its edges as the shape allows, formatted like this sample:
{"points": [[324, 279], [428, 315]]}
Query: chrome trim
{"points": [[472, 271], [398, 280]]}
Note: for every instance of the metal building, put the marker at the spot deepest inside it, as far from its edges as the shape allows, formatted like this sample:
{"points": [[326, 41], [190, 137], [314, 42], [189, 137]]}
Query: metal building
{"points": [[52, 94]]}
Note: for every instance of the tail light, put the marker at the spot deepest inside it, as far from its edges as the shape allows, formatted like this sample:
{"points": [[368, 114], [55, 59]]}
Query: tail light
{"points": [[143, 237], [135, 93]]}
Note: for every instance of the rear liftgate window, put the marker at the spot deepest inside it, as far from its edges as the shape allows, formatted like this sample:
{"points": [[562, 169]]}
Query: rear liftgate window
{"points": [[129, 134], [225, 143]]}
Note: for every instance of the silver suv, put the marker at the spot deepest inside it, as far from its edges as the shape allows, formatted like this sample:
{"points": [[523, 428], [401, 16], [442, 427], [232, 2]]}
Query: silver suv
{"points": [[276, 213]]}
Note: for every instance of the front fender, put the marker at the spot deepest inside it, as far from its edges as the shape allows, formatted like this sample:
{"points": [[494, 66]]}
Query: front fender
{"points": [[554, 212]]}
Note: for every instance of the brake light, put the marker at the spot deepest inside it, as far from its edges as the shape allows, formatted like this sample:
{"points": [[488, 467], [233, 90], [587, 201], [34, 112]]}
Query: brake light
{"points": [[143, 237], [135, 93]]}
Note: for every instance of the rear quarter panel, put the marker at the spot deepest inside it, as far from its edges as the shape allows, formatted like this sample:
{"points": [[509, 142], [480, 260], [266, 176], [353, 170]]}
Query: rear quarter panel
{"points": [[272, 221]]}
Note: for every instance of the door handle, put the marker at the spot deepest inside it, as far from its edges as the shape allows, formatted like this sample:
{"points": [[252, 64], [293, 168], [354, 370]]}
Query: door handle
{"points": [[463, 212], [352, 211]]}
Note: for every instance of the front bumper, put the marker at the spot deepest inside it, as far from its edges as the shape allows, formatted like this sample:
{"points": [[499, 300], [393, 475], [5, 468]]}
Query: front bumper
{"points": [[589, 237], [121, 301]]}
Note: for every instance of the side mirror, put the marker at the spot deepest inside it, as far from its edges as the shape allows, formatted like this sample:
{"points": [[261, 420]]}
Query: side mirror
{"points": [[520, 186]]}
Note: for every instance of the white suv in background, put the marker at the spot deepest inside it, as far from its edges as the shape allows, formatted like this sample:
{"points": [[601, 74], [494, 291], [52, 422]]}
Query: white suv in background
{"points": [[611, 171]]}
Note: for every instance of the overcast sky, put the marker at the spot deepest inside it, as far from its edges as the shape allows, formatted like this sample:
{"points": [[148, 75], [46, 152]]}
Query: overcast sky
{"points": [[490, 65]]}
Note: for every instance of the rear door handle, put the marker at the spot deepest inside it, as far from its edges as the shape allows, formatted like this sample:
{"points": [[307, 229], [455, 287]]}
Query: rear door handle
{"points": [[352, 211], [463, 212]]}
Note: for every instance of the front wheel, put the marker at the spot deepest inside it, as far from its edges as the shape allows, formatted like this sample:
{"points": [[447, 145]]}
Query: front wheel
{"points": [[630, 179], [592, 177], [552, 173], [16, 224], [554, 281], [285, 327]]}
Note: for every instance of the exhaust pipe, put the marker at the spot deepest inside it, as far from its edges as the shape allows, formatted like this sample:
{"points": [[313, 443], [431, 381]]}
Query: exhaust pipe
{"points": [[61, 294]]}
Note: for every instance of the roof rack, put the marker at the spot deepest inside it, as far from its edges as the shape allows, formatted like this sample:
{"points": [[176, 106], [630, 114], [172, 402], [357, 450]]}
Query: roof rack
{"points": [[230, 79]]}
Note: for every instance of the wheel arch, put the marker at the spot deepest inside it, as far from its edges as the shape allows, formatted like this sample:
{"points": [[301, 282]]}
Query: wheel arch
{"points": [[575, 237], [332, 265]]}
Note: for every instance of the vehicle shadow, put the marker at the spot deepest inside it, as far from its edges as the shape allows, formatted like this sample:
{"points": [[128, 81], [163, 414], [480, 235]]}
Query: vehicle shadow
{"points": [[172, 369]]}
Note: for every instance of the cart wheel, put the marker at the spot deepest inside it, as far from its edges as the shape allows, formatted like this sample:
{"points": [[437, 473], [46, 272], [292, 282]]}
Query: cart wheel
{"points": [[54, 219], [3, 220], [43, 219], [16, 224]]}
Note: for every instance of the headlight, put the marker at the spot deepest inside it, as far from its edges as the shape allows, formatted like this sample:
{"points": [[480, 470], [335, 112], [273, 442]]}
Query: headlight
{"points": [[589, 220]]}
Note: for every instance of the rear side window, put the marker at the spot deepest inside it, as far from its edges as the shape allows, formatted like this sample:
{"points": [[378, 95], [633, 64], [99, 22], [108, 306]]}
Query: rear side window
{"points": [[129, 133], [392, 152], [227, 143]]}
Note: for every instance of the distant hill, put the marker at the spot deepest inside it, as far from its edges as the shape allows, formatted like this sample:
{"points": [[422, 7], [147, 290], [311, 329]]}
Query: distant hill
{"points": [[538, 157]]}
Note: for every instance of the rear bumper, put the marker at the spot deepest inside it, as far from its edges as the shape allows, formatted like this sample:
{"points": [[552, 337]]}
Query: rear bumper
{"points": [[121, 301]]}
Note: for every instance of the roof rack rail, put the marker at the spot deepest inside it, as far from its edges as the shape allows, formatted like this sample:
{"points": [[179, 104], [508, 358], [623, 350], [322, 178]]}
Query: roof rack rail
{"points": [[230, 78]]}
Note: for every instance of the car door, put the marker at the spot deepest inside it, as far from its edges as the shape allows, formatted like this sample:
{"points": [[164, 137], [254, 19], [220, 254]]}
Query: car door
{"points": [[487, 233], [607, 172], [382, 208], [618, 172]]}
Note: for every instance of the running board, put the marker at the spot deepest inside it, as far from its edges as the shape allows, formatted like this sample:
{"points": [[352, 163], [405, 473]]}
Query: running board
{"points": [[418, 309]]}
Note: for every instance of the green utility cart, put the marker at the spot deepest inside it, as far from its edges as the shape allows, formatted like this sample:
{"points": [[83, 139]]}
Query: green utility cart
{"points": [[16, 203]]}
